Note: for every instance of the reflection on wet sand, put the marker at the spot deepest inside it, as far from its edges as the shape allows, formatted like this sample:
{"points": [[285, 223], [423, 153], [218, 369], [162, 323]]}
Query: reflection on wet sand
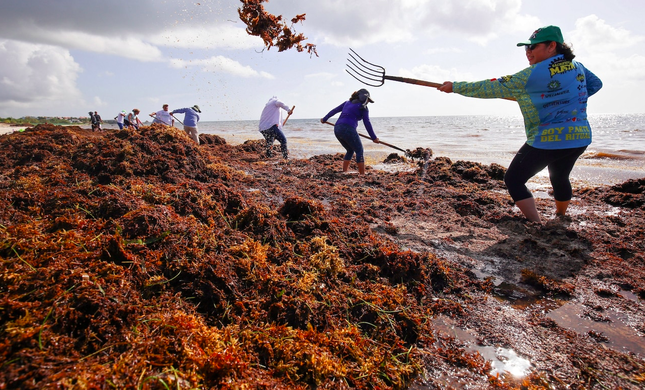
{"points": [[610, 329]]}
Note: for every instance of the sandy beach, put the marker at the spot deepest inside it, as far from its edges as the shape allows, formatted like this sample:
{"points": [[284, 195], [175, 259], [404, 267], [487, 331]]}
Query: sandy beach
{"points": [[6, 128]]}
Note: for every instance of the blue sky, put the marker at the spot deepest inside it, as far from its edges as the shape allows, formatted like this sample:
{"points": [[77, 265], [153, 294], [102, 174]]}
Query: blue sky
{"points": [[67, 57]]}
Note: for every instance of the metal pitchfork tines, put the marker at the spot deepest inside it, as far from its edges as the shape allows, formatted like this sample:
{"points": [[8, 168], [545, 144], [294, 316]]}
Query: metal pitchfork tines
{"points": [[374, 75]]}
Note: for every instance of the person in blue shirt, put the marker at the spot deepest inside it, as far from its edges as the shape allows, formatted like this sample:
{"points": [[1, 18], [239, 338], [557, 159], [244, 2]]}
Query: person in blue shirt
{"points": [[552, 94], [191, 118], [352, 111]]}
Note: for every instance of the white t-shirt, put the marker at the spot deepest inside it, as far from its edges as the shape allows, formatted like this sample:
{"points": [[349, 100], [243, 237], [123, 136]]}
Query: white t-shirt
{"points": [[164, 117], [271, 114]]}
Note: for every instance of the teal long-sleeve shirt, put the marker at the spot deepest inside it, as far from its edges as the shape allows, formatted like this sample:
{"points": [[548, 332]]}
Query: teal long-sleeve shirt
{"points": [[552, 96]]}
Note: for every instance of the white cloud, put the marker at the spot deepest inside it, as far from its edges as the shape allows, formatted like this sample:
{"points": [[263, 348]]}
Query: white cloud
{"points": [[221, 64], [607, 51], [593, 32], [362, 22], [98, 102], [36, 76], [132, 46], [129, 47]]}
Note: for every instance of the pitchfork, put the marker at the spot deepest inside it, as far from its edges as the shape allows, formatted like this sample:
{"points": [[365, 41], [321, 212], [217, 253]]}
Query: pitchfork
{"points": [[374, 75]]}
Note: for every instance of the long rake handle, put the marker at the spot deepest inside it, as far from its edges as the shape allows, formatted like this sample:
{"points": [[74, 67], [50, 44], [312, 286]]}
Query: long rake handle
{"points": [[421, 82], [177, 119], [384, 143], [413, 81], [152, 116], [285, 121], [380, 142]]}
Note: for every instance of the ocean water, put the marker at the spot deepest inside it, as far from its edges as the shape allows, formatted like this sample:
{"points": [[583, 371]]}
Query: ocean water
{"points": [[616, 154]]}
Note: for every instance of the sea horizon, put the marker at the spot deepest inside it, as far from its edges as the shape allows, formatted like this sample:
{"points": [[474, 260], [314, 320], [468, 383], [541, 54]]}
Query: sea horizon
{"points": [[617, 152]]}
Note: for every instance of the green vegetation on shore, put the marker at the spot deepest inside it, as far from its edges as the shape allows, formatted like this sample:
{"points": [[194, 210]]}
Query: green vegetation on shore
{"points": [[35, 120]]}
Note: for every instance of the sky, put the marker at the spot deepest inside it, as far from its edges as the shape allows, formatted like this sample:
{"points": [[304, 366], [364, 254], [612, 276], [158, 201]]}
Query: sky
{"points": [[68, 57]]}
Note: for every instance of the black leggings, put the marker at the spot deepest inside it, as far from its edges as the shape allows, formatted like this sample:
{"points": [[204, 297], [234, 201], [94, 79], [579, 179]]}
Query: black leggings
{"points": [[529, 161]]}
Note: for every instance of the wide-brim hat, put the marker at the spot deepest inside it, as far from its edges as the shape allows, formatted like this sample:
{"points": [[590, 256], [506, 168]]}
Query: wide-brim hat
{"points": [[196, 108], [544, 34]]}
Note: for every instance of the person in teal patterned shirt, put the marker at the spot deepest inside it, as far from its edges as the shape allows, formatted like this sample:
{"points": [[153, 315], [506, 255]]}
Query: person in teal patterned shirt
{"points": [[552, 94]]}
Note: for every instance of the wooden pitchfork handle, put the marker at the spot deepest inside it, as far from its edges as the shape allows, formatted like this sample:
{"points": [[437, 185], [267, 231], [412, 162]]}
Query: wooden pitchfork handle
{"points": [[380, 142], [412, 81], [287, 118], [422, 82], [152, 116], [177, 119]]}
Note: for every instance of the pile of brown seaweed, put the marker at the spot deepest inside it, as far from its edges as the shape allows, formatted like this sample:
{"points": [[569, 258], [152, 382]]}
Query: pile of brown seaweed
{"points": [[137, 259]]}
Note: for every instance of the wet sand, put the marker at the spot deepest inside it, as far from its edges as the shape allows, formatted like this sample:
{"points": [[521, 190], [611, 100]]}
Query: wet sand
{"points": [[140, 258]]}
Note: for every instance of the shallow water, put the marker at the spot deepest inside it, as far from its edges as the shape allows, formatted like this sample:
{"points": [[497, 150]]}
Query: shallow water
{"points": [[618, 335], [616, 154]]}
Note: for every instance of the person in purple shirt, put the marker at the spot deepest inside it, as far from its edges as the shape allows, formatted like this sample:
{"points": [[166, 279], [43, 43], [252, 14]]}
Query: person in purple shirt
{"points": [[191, 118], [352, 111]]}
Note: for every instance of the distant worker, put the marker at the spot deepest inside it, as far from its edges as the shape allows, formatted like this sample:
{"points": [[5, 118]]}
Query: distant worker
{"points": [[163, 116], [133, 121], [271, 126], [92, 120], [191, 118], [97, 121], [352, 111], [120, 119]]}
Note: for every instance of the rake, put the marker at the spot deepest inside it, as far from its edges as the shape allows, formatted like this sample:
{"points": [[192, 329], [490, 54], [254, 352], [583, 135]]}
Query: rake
{"points": [[407, 152], [374, 75], [285, 121]]}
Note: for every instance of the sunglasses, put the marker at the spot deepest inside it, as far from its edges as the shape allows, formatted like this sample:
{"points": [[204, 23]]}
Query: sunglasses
{"points": [[531, 47]]}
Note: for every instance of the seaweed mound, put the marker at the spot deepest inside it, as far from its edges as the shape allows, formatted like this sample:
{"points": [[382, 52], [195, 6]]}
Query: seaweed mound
{"points": [[138, 259]]}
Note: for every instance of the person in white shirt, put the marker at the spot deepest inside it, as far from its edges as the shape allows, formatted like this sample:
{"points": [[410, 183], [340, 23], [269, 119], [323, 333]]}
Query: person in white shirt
{"points": [[163, 116], [120, 119], [271, 126]]}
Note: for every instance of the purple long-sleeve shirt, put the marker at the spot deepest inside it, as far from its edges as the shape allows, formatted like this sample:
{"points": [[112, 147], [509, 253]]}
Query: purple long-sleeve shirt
{"points": [[191, 116], [351, 113]]}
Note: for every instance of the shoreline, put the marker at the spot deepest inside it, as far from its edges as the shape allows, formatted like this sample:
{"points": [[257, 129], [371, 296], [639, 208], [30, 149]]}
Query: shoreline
{"points": [[587, 172], [6, 128]]}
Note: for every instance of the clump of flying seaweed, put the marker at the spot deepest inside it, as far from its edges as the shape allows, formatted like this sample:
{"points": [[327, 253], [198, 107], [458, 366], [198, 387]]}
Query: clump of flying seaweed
{"points": [[271, 28]]}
